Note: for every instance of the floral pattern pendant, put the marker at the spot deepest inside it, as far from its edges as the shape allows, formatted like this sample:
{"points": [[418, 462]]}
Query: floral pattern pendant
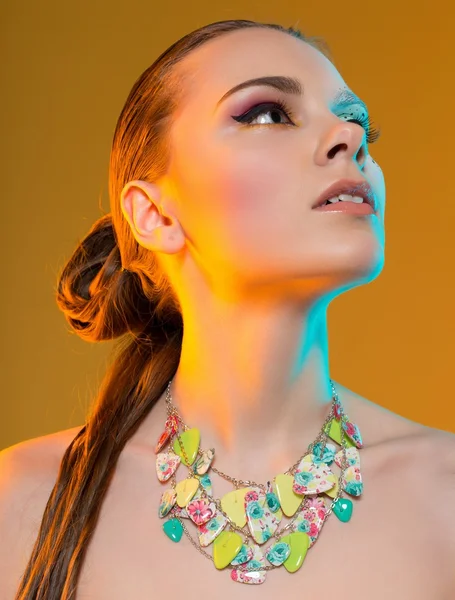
{"points": [[353, 432], [327, 456], [262, 522], [337, 410], [273, 502], [245, 554], [210, 530], [312, 477], [206, 483], [352, 457], [203, 463], [251, 577], [278, 553], [311, 518], [170, 428], [201, 510], [352, 480], [167, 501], [166, 465], [162, 441]]}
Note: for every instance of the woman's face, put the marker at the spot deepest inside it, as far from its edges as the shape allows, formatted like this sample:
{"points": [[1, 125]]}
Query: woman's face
{"points": [[244, 192]]}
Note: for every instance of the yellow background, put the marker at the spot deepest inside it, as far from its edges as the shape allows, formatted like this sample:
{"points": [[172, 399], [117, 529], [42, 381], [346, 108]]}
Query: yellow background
{"points": [[66, 71]]}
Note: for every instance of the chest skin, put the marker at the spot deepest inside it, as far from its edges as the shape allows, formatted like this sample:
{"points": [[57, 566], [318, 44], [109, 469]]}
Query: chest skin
{"points": [[391, 548]]}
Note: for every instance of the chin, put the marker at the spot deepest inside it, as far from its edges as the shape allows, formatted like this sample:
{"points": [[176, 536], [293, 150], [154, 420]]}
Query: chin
{"points": [[358, 264]]}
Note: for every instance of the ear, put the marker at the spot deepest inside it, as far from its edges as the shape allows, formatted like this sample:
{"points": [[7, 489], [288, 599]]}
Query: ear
{"points": [[142, 206]]}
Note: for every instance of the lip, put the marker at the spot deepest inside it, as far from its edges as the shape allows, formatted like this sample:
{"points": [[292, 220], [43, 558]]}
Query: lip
{"points": [[359, 187]]}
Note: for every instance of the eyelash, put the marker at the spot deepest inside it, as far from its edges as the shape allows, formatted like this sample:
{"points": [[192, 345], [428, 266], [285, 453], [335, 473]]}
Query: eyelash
{"points": [[372, 132], [264, 107]]}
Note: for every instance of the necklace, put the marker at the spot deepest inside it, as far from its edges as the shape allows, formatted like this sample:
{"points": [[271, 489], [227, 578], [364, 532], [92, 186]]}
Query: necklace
{"points": [[239, 523]]}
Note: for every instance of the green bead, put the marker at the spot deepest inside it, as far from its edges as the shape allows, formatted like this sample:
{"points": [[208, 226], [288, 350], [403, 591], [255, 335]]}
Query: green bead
{"points": [[173, 529], [343, 509]]}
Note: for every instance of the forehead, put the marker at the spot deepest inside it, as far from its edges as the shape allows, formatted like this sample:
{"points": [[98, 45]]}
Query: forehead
{"points": [[212, 69]]}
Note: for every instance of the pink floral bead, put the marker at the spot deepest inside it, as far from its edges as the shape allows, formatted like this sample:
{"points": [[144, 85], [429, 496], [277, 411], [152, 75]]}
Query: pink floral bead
{"points": [[199, 511]]}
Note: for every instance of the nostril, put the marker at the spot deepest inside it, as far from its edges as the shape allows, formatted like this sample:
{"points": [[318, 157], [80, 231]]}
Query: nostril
{"points": [[335, 149], [361, 155]]}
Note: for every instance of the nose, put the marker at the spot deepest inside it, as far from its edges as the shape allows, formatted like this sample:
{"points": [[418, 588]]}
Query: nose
{"points": [[343, 141]]}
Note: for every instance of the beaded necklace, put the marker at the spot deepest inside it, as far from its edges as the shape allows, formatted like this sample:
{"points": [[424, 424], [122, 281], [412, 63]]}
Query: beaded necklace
{"points": [[243, 520]]}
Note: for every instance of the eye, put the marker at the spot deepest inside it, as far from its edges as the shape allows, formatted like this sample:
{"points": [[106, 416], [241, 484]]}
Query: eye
{"points": [[357, 114], [274, 108]]}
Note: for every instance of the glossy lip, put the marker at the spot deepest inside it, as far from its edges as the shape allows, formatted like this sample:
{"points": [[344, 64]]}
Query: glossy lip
{"points": [[348, 186]]}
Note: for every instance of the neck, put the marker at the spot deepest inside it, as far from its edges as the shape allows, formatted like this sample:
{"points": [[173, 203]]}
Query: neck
{"points": [[255, 383]]}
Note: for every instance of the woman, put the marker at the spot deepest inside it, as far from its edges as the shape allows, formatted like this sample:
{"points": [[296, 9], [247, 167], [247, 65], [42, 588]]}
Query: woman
{"points": [[240, 209]]}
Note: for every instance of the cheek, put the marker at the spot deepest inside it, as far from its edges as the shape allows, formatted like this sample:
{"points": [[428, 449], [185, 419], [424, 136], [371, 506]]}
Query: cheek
{"points": [[249, 185], [237, 199]]}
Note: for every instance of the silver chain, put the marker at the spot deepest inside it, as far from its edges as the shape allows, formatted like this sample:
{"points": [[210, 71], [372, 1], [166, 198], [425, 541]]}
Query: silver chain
{"points": [[321, 437]]}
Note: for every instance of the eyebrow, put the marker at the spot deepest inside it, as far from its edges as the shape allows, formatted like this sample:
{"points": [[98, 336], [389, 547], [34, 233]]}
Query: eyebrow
{"points": [[291, 85], [288, 85]]}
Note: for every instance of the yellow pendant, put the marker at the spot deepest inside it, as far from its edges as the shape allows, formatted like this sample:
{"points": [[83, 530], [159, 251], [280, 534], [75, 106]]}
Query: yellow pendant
{"points": [[289, 500], [225, 548], [334, 432], [190, 440], [299, 542], [233, 504], [185, 490]]}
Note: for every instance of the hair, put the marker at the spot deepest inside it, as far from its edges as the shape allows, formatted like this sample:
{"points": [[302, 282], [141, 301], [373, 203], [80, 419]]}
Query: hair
{"points": [[101, 301]]}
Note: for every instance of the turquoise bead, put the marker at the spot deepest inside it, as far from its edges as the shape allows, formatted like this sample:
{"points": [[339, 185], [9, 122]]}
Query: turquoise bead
{"points": [[343, 509], [173, 529]]}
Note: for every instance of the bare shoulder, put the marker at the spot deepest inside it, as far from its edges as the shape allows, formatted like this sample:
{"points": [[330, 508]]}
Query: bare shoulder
{"points": [[434, 496], [387, 431], [422, 456], [437, 452], [32, 465], [28, 472], [432, 451], [33, 461], [380, 425]]}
